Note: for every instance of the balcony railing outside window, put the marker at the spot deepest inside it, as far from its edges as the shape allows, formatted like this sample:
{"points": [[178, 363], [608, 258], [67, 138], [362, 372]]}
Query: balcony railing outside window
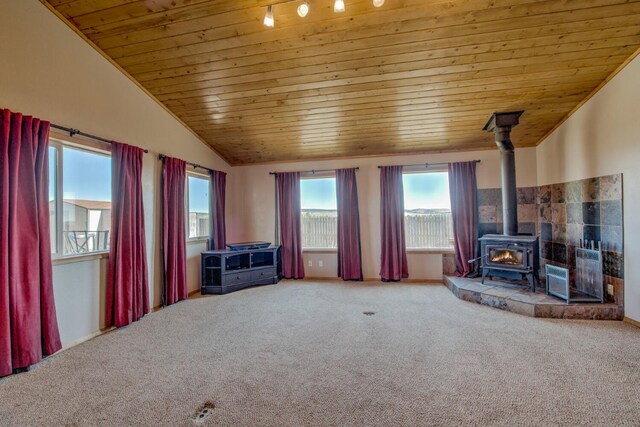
{"points": [[81, 242]]}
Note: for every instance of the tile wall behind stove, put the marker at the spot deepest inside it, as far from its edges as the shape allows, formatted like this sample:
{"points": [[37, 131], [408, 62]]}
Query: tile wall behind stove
{"points": [[562, 215], [490, 211], [584, 211]]}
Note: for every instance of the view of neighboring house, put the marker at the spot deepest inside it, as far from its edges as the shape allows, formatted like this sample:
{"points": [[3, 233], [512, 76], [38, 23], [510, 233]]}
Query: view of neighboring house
{"points": [[86, 225], [198, 224]]}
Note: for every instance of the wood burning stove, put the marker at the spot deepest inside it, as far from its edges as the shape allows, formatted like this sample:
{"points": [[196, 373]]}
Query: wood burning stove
{"points": [[512, 255], [510, 252]]}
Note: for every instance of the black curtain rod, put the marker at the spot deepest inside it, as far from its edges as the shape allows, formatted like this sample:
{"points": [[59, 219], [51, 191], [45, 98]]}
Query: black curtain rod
{"points": [[313, 171], [73, 132], [426, 165], [194, 165]]}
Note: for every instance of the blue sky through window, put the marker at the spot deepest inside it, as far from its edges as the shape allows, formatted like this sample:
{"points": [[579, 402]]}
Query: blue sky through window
{"points": [[85, 175], [318, 193], [198, 194], [426, 190]]}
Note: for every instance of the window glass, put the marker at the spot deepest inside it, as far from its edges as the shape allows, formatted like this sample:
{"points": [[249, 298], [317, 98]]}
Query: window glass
{"points": [[319, 213], [53, 223], [198, 195], [86, 188], [427, 210]]}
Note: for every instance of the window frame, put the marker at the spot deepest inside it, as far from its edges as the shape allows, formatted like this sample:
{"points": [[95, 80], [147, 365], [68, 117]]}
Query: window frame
{"points": [[426, 250], [195, 173], [59, 142], [311, 176]]}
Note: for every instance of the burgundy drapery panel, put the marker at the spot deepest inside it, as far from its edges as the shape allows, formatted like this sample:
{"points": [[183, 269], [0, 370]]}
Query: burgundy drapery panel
{"points": [[174, 242], [393, 260], [349, 250], [464, 207], [28, 324], [217, 224], [127, 281], [290, 227]]}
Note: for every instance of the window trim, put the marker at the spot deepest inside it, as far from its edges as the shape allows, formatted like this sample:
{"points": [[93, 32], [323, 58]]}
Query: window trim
{"points": [[193, 172], [58, 142], [427, 250]]}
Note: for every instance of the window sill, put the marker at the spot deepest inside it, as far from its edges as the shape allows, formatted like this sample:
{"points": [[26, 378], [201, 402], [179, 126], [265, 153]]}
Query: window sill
{"points": [[197, 240], [431, 251], [320, 250], [71, 259]]}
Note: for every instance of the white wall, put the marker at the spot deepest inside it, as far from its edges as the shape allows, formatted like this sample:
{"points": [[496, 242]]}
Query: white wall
{"points": [[258, 203], [603, 138], [49, 72]]}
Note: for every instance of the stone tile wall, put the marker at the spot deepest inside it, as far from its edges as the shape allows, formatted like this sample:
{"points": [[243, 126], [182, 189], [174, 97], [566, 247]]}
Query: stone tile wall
{"points": [[562, 215], [490, 211], [585, 210]]}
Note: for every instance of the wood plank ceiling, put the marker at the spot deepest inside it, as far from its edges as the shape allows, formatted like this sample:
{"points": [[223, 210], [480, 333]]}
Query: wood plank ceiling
{"points": [[410, 76]]}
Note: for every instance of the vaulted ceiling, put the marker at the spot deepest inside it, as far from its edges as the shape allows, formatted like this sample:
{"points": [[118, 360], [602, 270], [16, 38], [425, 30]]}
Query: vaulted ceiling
{"points": [[410, 76]]}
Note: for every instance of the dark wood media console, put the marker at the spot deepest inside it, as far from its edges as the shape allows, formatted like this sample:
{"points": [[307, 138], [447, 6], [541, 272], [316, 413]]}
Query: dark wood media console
{"points": [[227, 271]]}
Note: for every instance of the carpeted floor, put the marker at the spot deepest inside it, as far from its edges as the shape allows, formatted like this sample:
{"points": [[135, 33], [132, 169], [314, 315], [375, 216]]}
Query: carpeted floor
{"points": [[304, 354]]}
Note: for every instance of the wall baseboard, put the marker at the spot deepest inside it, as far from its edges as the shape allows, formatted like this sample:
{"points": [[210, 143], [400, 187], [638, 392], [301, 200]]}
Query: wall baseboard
{"points": [[631, 322], [84, 339], [430, 281], [376, 279]]}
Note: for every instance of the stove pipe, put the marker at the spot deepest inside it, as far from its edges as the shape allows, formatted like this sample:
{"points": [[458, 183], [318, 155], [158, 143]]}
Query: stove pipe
{"points": [[501, 124]]}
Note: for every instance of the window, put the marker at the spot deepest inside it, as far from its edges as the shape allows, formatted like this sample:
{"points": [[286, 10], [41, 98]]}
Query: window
{"points": [[427, 210], [53, 221], [198, 206], [319, 213], [79, 199]]}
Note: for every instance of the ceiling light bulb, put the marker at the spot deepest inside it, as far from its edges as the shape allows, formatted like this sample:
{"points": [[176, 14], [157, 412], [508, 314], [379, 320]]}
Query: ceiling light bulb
{"points": [[268, 18], [303, 9], [378, 3], [338, 6]]}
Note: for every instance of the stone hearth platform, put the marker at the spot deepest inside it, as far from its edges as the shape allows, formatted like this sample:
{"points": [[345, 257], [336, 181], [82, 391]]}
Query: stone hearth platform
{"points": [[518, 299]]}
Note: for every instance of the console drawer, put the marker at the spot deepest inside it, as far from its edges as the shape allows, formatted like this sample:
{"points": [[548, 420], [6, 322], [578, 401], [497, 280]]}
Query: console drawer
{"points": [[263, 274], [236, 278]]}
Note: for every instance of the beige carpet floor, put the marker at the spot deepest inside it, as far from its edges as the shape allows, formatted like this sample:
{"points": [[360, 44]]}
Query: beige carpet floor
{"points": [[304, 354]]}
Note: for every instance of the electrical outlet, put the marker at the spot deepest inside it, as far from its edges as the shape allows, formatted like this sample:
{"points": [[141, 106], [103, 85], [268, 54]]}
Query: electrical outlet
{"points": [[610, 289], [320, 263], [310, 263]]}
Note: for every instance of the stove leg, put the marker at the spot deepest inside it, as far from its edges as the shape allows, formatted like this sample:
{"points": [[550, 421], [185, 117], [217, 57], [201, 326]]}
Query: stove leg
{"points": [[484, 274], [532, 283]]}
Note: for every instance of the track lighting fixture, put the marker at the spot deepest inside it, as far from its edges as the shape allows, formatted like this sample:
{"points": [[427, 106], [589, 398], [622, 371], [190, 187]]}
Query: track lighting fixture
{"points": [[303, 9], [268, 18]]}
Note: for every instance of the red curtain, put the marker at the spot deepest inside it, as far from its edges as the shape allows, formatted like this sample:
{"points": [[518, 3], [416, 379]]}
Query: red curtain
{"points": [[393, 262], [28, 325], [174, 243], [290, 227], [464, 207], [217, 227], [127, 281], [349, 251]]}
